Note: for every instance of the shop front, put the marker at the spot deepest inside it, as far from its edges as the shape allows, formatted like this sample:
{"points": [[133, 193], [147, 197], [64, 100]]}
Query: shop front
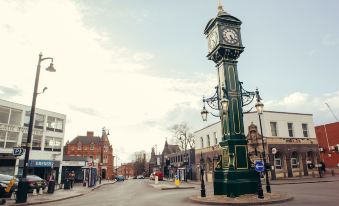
{"points": [[42, 168]]}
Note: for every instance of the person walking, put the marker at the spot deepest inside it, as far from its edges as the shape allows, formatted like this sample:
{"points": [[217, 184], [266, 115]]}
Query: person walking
{"points": [[71, 177]]}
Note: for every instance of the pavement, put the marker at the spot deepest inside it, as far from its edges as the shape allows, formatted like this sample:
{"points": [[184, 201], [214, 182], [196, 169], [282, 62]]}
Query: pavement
{"points": [[59, 194]]}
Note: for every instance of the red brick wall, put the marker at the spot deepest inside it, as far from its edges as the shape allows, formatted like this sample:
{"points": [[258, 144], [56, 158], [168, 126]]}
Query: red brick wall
{"points": [[328, 135]]}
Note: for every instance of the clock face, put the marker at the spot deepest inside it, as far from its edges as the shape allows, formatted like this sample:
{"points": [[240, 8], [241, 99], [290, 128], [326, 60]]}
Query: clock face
{"points": [[230, 36], [212, 40]]}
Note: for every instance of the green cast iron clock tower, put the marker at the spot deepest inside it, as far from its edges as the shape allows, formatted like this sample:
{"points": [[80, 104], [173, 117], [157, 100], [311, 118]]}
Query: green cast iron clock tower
{"points": [[234, 174]]}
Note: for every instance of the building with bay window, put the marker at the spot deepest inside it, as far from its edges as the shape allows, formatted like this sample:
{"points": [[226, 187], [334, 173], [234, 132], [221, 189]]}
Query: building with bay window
{"points": [[46, 145], [290, 142]]}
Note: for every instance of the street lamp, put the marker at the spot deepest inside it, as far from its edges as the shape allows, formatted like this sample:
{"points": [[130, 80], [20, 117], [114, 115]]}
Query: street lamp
{"points": [[260, 108], [23, 184], [202, 168]]}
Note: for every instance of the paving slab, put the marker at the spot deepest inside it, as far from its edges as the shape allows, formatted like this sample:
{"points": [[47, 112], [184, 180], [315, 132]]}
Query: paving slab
{"points": [[248, 199]]}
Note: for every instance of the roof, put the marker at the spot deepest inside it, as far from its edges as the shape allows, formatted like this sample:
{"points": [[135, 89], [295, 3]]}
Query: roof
{"points": [[169, 149], [221, 17], [86, 140]]}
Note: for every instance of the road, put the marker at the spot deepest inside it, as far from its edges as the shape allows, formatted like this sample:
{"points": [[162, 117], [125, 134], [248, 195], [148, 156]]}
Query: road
{"points": [[138, 192]]}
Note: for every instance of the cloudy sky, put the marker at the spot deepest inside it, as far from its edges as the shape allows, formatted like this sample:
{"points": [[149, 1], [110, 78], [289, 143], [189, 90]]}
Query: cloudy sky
{"points": [[138, 67]]}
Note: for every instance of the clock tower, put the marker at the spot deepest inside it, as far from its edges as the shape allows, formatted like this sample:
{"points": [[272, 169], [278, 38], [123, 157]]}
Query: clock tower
{"points": [[234, 174]]}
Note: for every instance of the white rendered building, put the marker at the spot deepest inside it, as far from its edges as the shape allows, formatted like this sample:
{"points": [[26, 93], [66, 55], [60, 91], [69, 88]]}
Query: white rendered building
{"points": [[292, 135], [46, 145]]}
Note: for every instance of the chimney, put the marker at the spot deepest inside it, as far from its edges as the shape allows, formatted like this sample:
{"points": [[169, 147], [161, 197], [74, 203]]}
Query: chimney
{"points": [[90, 134]]}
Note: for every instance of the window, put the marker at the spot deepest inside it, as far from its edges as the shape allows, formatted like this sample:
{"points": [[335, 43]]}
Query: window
{"points": [[39, 121], [15, 117], [2, 139], [50, 123], [12, 139], [53, 144], [215, 138], [305, 130], [79, 146], [24, 139], [274, 129], [277, 161], [4, 115], [208, 141], [92, 146], [294, 160], [49, 143], [26, 119], [59, 125], [36, 144], [57, 144], [85, 148], [290, 129], [202, 142]]}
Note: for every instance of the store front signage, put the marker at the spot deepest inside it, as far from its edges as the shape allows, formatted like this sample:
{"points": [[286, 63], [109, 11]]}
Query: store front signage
{"points": [[14, 128], [74, 163], [40, 163]]}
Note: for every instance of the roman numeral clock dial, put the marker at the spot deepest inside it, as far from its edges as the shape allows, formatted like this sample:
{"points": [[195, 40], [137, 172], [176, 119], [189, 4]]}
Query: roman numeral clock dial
{"points": [[230, 36]]}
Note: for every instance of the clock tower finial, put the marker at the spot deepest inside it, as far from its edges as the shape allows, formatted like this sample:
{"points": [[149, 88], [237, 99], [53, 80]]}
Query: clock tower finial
{"points": [[220, 8]]}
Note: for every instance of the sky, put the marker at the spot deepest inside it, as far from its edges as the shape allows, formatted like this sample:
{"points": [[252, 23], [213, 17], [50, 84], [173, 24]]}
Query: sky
{"points": [[139, 67]]}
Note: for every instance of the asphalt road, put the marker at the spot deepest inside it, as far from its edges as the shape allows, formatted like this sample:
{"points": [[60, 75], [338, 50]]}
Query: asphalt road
{"points": [[138, 192]]}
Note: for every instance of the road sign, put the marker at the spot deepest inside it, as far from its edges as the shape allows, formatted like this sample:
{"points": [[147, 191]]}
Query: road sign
{"points": [[259, 166], [17, 151]]}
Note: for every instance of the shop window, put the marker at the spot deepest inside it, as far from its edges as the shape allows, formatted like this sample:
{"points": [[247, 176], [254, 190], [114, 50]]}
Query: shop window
{"points": [[15, 118], [290, 129], [36, 144], [278, 161], [305, 130], [4, 115], [294, 160], [274, 130], [39, 121]]}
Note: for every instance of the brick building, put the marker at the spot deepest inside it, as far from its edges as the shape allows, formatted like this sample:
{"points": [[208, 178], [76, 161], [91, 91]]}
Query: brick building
{"points": [[328, 140], [96, 149], [127, 170]]}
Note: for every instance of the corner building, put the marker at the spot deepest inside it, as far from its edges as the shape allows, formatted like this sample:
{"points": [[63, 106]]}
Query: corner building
{"points": [[46, 145]]}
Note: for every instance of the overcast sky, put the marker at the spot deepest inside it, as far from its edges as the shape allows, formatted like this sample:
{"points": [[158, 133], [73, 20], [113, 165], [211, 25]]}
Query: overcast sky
{"points": [[138, 67]]}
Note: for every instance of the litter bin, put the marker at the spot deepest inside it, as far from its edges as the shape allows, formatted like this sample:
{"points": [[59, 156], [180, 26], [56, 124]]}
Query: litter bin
{"points": [[51, 186], [67, 184]]}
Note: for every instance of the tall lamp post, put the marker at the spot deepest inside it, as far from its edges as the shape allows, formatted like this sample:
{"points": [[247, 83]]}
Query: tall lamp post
{"points": [[260, 108], [23, 184]]}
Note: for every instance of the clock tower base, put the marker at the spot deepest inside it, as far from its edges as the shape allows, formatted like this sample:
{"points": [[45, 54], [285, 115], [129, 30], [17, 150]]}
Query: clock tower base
{"points": [[236, 175]]}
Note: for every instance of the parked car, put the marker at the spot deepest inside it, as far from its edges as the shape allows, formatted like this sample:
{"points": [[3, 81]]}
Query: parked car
{"points": [[35, 182], [140, 177], [4, 181], [159, 174], [120, 178]]}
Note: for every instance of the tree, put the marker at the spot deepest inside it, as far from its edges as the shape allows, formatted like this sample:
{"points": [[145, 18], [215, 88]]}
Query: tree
{"points": [[139, 162], [182, 135]]}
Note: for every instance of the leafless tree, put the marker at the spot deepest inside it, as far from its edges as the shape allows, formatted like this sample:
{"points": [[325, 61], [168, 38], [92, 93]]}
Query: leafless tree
{"points": [[182, 135]]}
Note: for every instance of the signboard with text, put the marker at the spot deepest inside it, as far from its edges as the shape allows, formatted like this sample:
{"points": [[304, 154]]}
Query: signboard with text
{"points": [[40, 163]]}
